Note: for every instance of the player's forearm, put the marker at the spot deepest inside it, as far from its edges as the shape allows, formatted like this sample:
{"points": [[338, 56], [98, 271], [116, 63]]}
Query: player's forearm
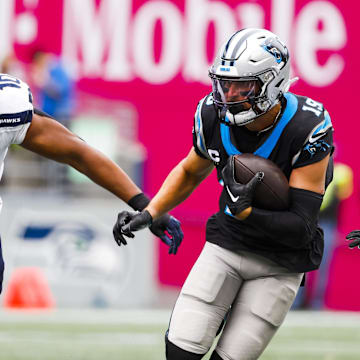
{"points": [[178, 185], [294, 228], [103, 172]]}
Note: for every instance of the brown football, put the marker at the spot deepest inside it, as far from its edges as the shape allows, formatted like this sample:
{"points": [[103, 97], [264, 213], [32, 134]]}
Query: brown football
{"points": [[273, 192]]}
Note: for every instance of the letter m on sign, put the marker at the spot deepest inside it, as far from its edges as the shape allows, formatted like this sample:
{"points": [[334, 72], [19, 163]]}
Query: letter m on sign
{"points": [[91, 32]]}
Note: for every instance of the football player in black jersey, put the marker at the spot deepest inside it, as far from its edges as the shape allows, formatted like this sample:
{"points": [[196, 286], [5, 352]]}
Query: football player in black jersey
{"points": [[36, 131], [254, 259]]}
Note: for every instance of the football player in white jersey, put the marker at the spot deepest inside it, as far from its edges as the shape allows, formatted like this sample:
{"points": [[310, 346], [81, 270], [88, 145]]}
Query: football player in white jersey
{"points": [[36, 131]]}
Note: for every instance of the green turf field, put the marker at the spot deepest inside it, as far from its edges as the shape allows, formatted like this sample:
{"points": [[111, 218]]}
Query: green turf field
{"points": [[128, 335]]}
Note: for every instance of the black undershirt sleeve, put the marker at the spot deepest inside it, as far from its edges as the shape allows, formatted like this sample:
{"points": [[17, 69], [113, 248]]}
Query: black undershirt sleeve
{"points": [[294, 228], [42, 113]]}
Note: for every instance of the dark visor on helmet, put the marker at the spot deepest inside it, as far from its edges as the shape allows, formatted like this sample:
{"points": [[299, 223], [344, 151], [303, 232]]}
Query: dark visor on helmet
{"points": [[230, 91]]}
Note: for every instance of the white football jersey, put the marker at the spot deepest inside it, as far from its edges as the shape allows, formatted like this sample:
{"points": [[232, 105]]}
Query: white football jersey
{"points": [[16, 111]]}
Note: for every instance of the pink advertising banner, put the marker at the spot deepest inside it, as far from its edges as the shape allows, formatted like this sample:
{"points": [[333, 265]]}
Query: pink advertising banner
{"points": [[156, 54]]}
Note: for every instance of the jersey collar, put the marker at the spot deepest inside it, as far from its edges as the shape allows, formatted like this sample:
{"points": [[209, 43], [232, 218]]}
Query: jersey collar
{"points": [[269, 144]]}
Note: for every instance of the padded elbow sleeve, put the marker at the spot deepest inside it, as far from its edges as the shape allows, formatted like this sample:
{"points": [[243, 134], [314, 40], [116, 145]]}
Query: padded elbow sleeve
{"points": [[295, 227]]}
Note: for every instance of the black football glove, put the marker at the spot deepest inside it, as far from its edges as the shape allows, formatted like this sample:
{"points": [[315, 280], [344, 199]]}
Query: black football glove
{"points": [[239, 196], [354, 236], [129, 221], [167, 228]]}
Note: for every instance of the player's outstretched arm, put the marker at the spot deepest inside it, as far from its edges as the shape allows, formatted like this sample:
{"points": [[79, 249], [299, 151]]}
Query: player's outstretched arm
{"points": [[179, 184], [49, 138]]}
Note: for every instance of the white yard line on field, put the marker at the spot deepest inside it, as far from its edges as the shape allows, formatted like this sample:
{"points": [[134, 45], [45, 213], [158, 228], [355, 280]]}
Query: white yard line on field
{"points": [[314, 347], [42, 337], [88, 316], [161, 317]]}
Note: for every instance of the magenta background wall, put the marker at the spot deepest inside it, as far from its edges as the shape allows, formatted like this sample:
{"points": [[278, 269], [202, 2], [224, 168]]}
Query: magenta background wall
{"points": [[166, 85]]}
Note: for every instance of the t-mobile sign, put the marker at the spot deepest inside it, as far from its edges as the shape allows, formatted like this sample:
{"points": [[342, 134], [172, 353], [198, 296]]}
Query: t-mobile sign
{"points": [[156, 55]]}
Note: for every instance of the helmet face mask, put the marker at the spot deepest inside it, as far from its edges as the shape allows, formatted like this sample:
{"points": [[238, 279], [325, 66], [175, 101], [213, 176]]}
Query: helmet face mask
{"points": [[249, 75], [233, 91], [236, 95]]}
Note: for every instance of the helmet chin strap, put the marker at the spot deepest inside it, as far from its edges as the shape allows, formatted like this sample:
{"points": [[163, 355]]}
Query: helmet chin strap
{"points": [[244, 117], [238, 119], [222, 112]]}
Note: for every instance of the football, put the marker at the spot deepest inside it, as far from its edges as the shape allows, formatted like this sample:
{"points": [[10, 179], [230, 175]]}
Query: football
{"points": [[272, 193]]}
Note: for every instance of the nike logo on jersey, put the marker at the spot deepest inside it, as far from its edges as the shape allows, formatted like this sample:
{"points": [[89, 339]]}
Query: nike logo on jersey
{"points": [[321, 129], [315, 137], [232, 197]]}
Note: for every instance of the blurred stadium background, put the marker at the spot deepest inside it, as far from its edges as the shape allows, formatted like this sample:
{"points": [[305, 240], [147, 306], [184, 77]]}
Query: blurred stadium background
{"points": [[139, 68]]}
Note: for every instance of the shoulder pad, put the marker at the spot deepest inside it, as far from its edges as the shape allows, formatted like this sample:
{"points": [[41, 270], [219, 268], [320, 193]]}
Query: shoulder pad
{"points": [[315, 118], [315, 124], [204, 117], [199, 128], [16, 106], [15, 95]]}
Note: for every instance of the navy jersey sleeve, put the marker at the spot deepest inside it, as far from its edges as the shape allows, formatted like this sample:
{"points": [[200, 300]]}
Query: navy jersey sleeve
{"points": [[199, 133], [197, 150], [316, 140]]}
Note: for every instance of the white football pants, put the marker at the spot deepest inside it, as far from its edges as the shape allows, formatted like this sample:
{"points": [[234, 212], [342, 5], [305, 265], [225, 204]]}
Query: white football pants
{"points": [[259, 292]]}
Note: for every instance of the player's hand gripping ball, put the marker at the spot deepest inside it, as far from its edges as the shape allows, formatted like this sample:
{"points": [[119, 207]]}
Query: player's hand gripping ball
{"points": [[272, 193], [239, 196]]}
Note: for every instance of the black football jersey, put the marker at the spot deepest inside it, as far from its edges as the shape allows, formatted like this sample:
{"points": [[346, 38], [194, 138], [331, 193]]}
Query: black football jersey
{"points": [[302, 135]]}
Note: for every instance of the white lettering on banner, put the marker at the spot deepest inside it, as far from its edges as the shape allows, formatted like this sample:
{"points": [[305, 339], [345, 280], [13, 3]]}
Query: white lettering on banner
{"points": [[282, 17], [26, 28], [143, 42], [251, 15], [109, 41], [6, 17], [118, 65], [309, 39], [199, 14], [90, 32]]}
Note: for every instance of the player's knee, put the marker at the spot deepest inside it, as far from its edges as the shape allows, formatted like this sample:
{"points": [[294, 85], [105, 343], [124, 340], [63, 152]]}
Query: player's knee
{"points": [[279, 297], [173, 352], [193, 330]]}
